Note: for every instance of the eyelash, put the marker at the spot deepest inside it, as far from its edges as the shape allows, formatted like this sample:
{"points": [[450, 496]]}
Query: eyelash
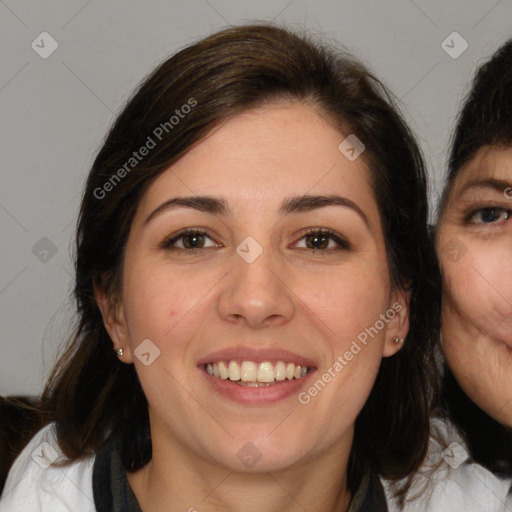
{"points": [[343, 243], [468, 218], [167, 243]]}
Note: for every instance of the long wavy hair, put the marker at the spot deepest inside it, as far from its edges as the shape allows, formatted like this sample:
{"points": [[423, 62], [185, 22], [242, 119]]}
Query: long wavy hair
{"points": [[90, 392]]}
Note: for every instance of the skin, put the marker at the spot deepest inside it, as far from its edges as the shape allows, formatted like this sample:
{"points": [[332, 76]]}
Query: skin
{"points": [[311, 303], [475, 246]]}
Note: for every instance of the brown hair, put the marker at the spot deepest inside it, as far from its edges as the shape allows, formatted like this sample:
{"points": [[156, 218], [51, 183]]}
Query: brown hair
{"points": [[92, 393]]}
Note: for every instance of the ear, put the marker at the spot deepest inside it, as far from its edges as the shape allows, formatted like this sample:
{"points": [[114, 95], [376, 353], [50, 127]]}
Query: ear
{"points": [[112, 312], [398, 325]]}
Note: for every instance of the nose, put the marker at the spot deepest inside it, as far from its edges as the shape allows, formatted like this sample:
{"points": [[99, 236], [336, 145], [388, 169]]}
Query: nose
{"points": [[257, 294]]}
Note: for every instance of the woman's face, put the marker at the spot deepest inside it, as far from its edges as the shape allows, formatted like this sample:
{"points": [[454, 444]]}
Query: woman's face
{"points": [[245, 289], [475, 249]]}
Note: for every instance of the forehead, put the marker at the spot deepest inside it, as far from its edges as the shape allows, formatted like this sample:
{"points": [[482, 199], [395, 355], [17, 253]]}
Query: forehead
{"points": [[488, 162], [264, 154]]}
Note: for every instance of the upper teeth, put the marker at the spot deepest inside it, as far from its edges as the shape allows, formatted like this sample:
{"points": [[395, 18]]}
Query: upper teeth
{"points": [[249, 371]]}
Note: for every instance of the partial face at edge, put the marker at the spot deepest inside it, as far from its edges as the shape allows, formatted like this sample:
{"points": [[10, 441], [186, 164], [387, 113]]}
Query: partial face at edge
{"points": [[475, 250], [195, 295]]}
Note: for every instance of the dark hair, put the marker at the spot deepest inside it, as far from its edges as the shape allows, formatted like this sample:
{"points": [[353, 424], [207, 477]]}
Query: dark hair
{"points": [[486, 115], [485, 119], [20, 419], [220, 77], [489, 442]]}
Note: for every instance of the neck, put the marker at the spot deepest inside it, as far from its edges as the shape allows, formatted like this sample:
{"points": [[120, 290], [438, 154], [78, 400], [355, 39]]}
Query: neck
{"points": [[181, 480]]}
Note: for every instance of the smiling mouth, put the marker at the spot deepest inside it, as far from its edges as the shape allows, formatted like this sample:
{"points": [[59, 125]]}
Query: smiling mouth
{"points": [[249, 373]]}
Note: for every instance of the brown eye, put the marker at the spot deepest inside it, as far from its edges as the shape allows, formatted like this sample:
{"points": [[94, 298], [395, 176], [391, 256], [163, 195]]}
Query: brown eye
{"points": [[320, 240], [189, 241], [317, 241], [193, 241]]}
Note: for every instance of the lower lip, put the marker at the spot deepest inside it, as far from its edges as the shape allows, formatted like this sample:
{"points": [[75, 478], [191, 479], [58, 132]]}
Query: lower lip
{"points": [[257, 396]]}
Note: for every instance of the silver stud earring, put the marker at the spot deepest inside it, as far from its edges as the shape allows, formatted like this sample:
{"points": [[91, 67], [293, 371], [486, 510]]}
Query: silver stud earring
{"points": [[397, 340], [119, 352]]}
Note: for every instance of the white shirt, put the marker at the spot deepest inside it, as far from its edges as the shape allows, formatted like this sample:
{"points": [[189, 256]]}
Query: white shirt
{"points": [[34, 486], [453, 485]]}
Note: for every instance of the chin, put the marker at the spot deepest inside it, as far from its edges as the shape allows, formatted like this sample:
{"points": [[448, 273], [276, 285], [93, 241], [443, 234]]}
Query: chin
{"points": [[261, 454]]}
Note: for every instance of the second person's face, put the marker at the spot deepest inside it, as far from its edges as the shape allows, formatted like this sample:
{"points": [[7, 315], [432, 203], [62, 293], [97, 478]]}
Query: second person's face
{"points": [[475, 249]]}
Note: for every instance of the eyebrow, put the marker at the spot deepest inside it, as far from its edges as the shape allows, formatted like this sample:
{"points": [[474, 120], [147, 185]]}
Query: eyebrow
{"points": [[494, 184], [295, 204]]}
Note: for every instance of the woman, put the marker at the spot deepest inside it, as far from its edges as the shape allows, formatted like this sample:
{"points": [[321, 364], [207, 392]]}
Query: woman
{"points": [[474, 242], [252, 252]]}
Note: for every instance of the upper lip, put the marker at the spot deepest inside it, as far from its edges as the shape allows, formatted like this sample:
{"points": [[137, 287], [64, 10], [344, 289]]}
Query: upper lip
{"points": [[258, 355]]}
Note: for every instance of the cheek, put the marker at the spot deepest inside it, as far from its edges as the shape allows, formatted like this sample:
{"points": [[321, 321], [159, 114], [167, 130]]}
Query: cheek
{"points": [[160, 302], [347, 303], [150, 307], [493, 267], [480, 287]]}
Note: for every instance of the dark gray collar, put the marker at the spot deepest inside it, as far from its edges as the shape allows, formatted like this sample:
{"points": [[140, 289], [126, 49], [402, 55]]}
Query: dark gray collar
{"points": [[111, 490]]}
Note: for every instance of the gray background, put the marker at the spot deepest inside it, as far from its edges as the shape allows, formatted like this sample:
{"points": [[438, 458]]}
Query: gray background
{"points": [[56, 111]]}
